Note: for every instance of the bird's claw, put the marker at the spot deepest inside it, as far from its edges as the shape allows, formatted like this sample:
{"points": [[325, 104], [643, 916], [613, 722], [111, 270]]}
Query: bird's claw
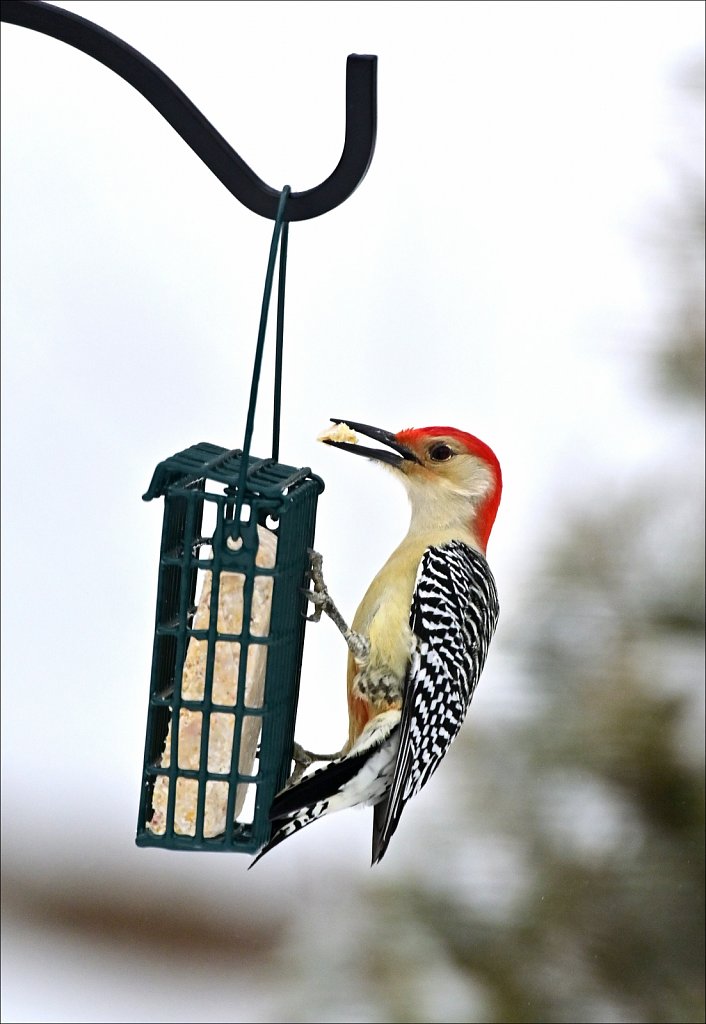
{"points": [[315, 572], [318, 599], [319, 596], [303, 759]]}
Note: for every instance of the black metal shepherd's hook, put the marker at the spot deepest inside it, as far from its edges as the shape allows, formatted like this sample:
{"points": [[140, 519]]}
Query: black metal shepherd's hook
{"points": [[198, 133]]}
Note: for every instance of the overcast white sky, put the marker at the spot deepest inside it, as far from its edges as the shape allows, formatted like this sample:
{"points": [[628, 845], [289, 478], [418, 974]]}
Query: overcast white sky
{"points": [[493, 272]]}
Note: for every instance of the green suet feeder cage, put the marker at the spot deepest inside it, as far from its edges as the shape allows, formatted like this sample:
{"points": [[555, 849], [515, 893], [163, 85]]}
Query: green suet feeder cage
{"points": [[227, 647]]}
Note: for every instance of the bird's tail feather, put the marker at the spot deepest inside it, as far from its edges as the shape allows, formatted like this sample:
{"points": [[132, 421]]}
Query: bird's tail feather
{"points": [[295, 808]]}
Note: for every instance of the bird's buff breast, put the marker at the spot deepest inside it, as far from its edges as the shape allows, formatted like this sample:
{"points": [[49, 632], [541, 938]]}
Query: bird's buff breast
{"points": [[383, 619]]}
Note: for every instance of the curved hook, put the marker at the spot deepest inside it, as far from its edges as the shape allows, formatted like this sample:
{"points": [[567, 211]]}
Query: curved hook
{"points": [[198, 133]]}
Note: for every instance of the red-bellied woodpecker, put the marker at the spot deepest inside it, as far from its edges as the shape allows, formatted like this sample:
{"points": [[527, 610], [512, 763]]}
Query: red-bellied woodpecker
{"points": [[419, 640]]}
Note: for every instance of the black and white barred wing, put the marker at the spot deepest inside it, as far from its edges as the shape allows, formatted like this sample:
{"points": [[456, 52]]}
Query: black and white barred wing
{"points": [[453, 615]]}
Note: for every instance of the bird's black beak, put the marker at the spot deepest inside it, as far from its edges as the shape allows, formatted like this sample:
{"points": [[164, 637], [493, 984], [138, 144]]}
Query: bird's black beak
{"points": [[402, 455]]}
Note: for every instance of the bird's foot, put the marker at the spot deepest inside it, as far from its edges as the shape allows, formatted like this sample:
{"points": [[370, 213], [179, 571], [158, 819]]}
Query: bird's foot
{"points": [[303, 759], [358, 645], [320, 596]]}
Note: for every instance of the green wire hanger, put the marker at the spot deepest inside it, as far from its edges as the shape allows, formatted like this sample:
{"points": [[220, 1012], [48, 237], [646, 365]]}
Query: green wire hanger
{"points": [[280, 237]]}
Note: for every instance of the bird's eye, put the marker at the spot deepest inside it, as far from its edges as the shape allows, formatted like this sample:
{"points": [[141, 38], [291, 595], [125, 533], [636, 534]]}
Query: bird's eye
{"points": [[440, 453]]}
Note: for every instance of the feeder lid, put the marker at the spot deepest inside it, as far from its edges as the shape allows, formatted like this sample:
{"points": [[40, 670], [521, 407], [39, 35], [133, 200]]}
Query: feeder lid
{"points": [[264, 476]]}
